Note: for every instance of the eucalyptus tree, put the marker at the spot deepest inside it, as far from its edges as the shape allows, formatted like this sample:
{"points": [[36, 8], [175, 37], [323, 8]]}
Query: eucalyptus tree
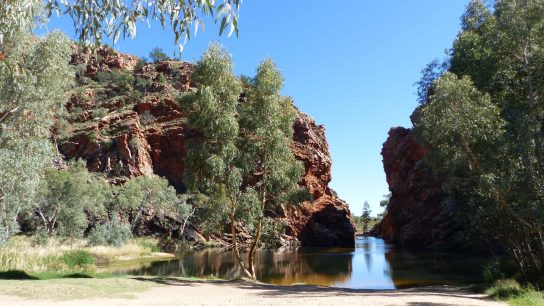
{"points": [[67, 196], [266, 132], [114, 18], [213, 173], [145, 194], [34, 81], [489, 108]]}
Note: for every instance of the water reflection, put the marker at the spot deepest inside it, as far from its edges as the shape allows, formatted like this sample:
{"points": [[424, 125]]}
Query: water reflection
{"points": [[372, 264]]}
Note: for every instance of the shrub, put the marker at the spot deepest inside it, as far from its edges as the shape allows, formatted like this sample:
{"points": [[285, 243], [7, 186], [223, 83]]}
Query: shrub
{"points": [[77, 259], [123, 80], [505, 288], [146, 118], [142, 84], [140, 64], [110, 233], [100, 113], [161, 78], [134, 96]]}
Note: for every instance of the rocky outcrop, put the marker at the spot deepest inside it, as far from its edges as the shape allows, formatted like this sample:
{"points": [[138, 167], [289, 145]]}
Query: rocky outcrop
{"points": [[326, 221], [148, 135], [419, 213]]}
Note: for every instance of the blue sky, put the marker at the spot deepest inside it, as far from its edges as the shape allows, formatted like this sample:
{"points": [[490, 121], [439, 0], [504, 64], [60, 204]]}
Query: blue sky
{"points": [[351, 65]]}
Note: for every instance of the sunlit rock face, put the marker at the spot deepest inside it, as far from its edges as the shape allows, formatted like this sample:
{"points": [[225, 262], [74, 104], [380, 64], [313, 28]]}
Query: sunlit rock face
{"points": [[148, 135], [419, 213]]}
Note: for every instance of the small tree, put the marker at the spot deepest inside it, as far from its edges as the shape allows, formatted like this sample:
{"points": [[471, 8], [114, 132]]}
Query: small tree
{"points": [[365, 217], [157, 55], [65, 196], [145, 194]]}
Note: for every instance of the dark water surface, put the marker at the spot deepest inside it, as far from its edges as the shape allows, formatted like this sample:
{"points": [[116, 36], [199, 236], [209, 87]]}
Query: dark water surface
{"points": [[372, 264]]}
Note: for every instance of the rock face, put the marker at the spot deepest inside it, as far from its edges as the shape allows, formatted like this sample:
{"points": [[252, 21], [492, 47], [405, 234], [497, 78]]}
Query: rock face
{"points": [[419, 213], [147, 134]]}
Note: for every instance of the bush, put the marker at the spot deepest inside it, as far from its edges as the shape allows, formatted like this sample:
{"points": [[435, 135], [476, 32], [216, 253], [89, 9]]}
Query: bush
{"points": [[122, 79], [146, 118], [134, 96], [100, 113], [111, 233], [161, 79], [505, 288], [77, 259], [142, 84], [140, 64]]}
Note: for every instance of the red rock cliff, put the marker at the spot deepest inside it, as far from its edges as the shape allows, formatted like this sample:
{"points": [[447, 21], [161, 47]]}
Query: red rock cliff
{"points": [[419, 213], [147, 134]]}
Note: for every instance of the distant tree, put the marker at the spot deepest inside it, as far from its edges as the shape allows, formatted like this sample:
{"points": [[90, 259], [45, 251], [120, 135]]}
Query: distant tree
{"points": [[385, 201], [157, 55], [365, 217]]}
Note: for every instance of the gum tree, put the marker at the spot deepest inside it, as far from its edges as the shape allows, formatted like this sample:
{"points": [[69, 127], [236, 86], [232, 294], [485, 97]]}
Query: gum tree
{"points": [[213, 174], [266, 133]]}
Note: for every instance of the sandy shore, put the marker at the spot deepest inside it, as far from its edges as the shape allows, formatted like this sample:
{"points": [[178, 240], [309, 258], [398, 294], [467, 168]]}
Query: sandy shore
{"points": [[188, 292]]}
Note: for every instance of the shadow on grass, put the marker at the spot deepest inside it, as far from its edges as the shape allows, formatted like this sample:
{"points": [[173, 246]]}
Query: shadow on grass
{"points": [[16, 274], [77, 275]]}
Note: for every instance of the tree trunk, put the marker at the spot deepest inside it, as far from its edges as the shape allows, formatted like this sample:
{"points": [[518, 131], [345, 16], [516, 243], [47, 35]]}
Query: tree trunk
{"points": [[235, 249]]}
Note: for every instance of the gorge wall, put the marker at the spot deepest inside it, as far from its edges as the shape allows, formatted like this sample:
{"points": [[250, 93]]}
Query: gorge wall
{"points": [[133, 134], [419, 214]]}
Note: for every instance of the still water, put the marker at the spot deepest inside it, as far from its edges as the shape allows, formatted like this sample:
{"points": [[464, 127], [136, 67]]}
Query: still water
{"points": [[372, 264]]}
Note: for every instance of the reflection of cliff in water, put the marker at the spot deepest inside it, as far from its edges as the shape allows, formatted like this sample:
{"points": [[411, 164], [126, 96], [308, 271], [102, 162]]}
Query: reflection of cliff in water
{"points": [[373, 264], [411, 268], [312, 266]]}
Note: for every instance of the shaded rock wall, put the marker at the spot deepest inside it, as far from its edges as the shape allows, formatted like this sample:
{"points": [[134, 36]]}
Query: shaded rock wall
{"points": [[419, 213]]}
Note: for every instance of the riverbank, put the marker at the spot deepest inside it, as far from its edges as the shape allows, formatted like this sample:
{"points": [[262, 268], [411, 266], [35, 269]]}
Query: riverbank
{"points": [[38, 257], [176, 291]]}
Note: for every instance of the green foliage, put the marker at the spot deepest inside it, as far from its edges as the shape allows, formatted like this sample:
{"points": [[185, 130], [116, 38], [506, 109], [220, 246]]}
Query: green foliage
{"points": [[157, 55], [110, 233], [143, 194], [100, 113], [34, 81], [272, 232], [122, 80], [65, 198], [140, 64], [250, 140], [134, 96], [212, 174], [77, 259], [505, 288], [142, 84], [114, 18], [484, 119], [365, 217]]}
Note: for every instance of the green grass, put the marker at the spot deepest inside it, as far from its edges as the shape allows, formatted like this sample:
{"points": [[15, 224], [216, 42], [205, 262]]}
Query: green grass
{"points": [[511, 292]]}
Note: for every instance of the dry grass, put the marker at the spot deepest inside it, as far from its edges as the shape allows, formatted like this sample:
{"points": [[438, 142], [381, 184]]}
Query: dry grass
{"points": [[72, 289], [21, 253]]}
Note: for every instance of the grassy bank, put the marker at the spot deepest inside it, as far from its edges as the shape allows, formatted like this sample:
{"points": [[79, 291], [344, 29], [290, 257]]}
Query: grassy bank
{"points": [[24, 254], [72, 289], [511, 292]]}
